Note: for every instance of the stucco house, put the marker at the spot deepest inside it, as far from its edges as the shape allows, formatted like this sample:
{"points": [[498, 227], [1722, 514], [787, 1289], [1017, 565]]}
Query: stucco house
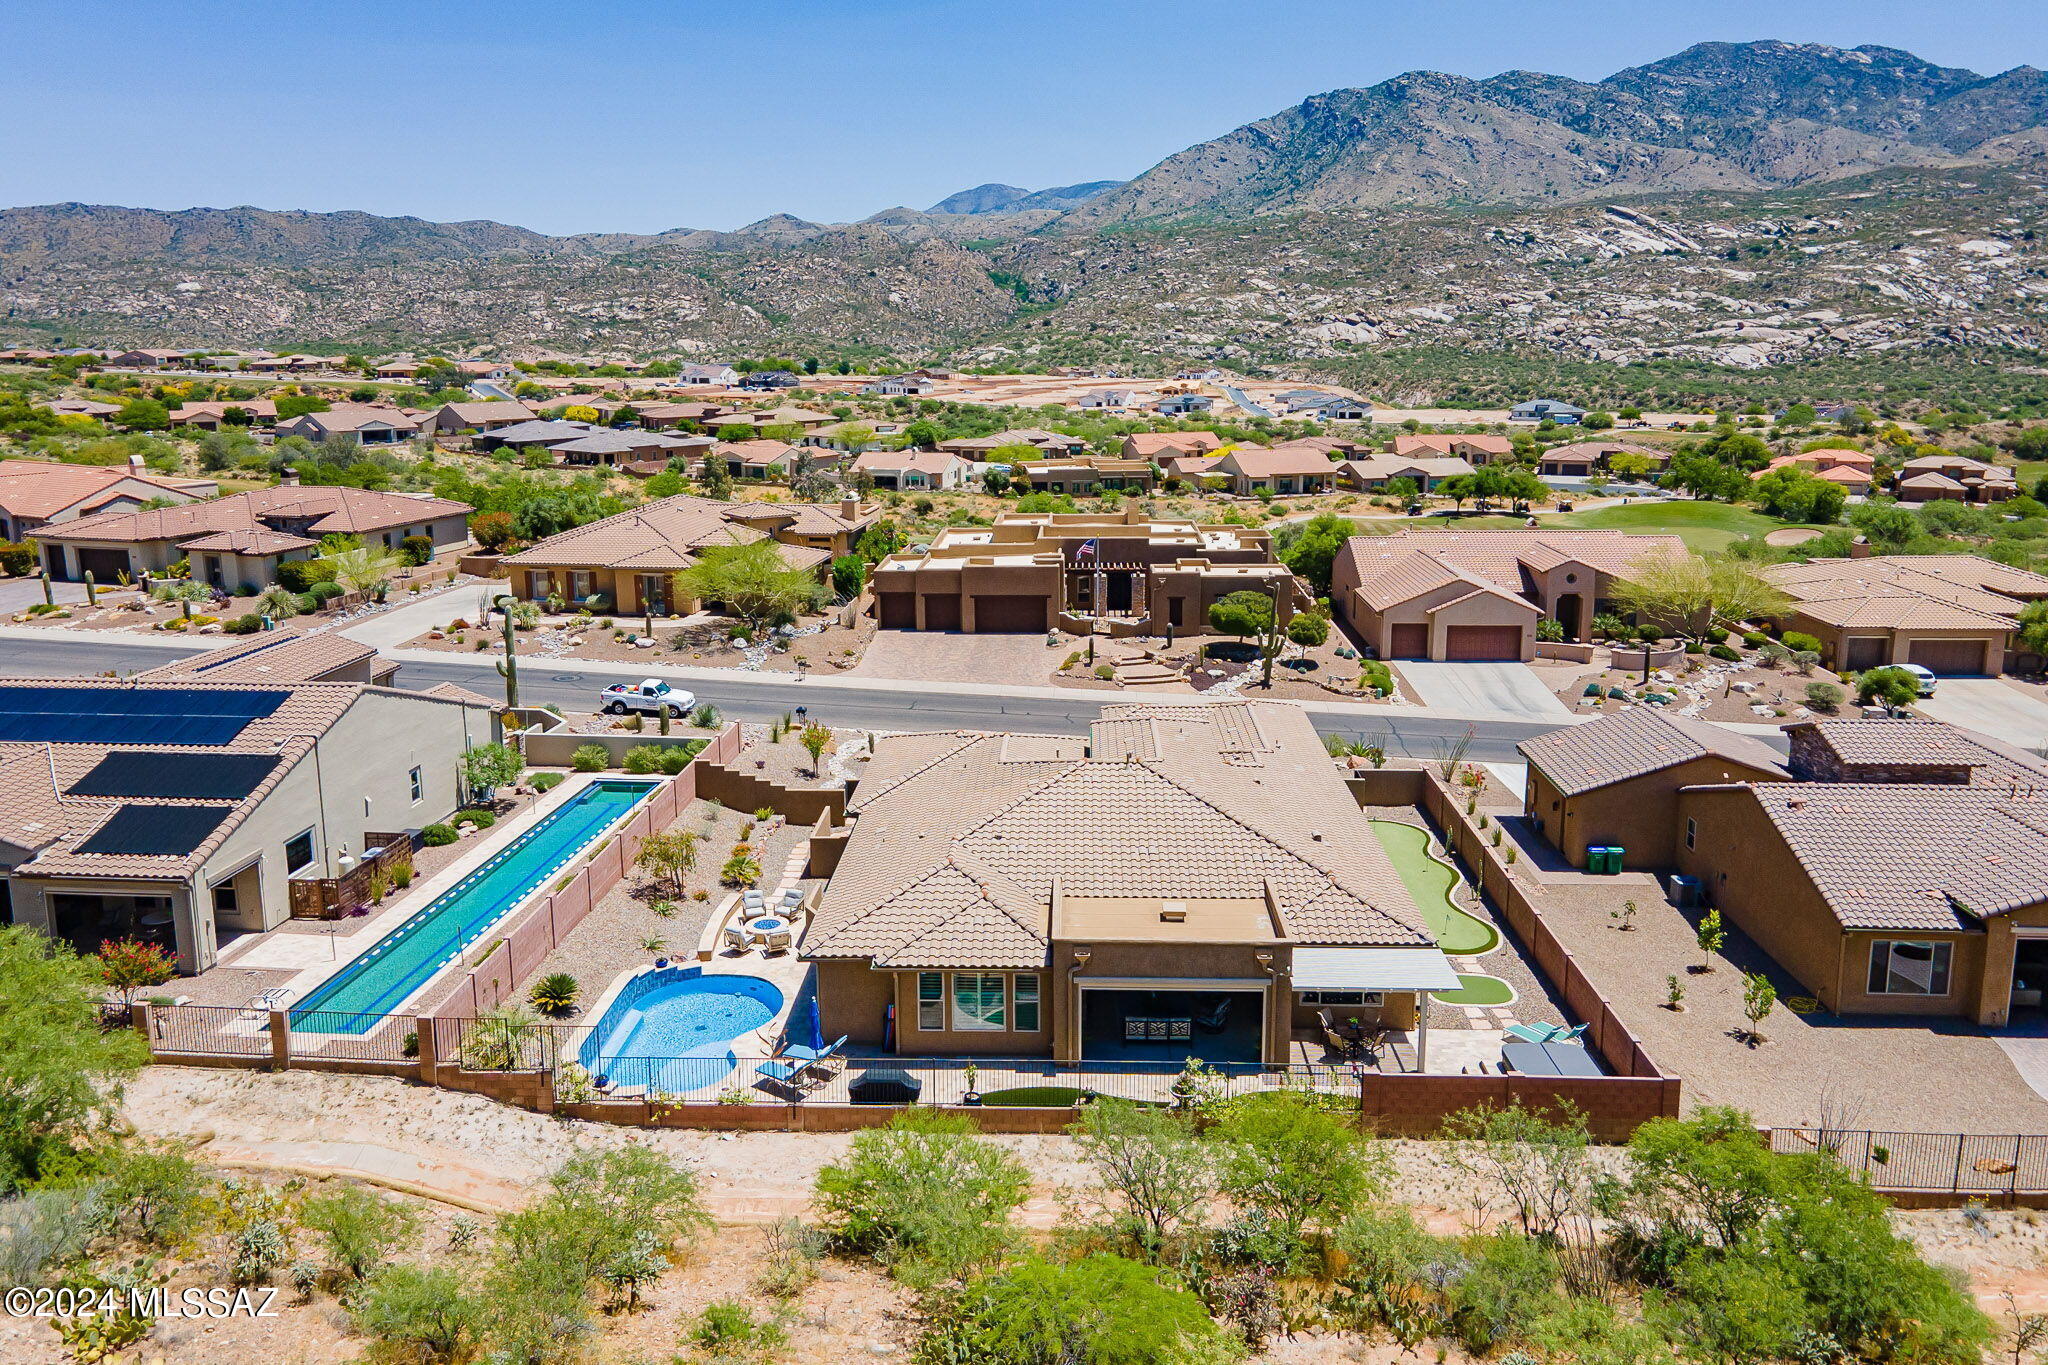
{"points": [[38, 493], [239, 540], [356, 424], [984, 900], [193, 805], [450, 418], [1372, 473], [1954, 614], [1286, 468], [1477, 449], [1479, 594], [908, 469]]}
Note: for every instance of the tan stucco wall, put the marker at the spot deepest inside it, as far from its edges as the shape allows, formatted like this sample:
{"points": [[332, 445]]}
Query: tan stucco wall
{"points": [[1639, 815], [1899, 643]]}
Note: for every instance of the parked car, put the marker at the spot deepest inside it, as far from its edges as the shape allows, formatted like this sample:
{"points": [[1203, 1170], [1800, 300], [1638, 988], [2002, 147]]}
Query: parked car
{"points": [[647, 696], [1922, 675]]}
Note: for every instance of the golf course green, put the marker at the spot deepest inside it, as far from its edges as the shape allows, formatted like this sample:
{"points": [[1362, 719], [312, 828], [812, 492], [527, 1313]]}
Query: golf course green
{"points": [[1429, 880]]}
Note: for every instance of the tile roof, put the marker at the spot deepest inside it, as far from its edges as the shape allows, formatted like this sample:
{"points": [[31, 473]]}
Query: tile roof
{"points": [[959, 837], [662, 536], [618, 442], [1634, 743], [1156, 443], [1400, 567], [1927, 592], [1894, 856], [541, 431], [1446, 444], [356, 416], [325, 510], [271, 656], [41, 488], [1371, 467], [1922, 743], [476, 414], [1255, 462]]}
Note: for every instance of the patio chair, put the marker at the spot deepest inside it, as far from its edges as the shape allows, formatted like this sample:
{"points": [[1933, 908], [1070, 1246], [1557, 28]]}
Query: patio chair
{"points": [[1532, 1033], [815, 1055], [780, 941], [1568, 1035], [1336, 1042], [752, 899], [788, 1075], [792, 898], [736, 938]]}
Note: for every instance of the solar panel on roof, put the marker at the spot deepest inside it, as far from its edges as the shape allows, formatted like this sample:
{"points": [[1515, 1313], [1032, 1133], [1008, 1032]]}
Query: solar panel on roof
{"points": [[196, 777], [121, 715], [169, 830]]}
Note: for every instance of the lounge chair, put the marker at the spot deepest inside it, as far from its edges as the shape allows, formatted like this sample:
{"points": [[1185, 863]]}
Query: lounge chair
{"points": [[788, 1075], [814, 1056], [1532, 1033], [1569, 1035], [736, 938], [269, 1000]]}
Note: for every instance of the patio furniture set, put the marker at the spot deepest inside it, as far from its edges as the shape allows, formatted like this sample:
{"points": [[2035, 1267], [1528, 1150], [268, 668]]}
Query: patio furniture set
{"points": [[1352, 1039], [772, 929], [1547, 1050], [797, 1066]]}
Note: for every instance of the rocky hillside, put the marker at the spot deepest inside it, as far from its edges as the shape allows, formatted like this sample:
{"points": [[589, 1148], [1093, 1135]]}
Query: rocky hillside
{"points": [[1718, 116], [1735, 206]]}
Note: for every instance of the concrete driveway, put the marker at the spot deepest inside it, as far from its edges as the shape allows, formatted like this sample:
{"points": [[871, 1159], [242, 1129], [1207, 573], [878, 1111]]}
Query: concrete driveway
{"points": [[1482, 689], [19, 594], [938, 656], [1991, 707]]}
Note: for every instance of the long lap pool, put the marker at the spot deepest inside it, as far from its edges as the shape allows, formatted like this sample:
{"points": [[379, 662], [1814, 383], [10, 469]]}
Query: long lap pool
{"points": [[356, 998]]}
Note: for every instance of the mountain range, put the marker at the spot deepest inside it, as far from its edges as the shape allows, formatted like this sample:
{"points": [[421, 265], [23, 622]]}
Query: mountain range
{"points": [[1606, 200]]}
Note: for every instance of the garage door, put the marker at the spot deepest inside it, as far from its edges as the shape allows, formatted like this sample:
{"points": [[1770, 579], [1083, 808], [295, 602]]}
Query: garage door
{"points": [[1410, 642], [1009, 613], [106, 566], [1483, 642], [1947, 656], [1864, 651], [896, 610], [941, 613]]}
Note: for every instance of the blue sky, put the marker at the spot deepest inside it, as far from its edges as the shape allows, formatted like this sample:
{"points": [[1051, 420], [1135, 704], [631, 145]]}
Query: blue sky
{"points": [[640, 115]]}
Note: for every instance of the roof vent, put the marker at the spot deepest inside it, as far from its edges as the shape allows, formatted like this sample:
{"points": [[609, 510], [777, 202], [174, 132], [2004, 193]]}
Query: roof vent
{"points": [[1316, 835], [1174, 912], [1796, 803]]}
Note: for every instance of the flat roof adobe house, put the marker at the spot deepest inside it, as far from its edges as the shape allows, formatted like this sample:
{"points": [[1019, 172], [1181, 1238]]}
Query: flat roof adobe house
{"points": [[1479, 594], [185, 809], [1954, 614], [1165, 888], [240, 539], [632, 558], [1031, 570], [39, 493]]}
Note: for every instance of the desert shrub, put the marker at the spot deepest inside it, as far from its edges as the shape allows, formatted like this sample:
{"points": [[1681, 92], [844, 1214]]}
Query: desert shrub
{"points": [[475, 815], [1892, 686], [300, 575], [643, 759], [1294, 1161], [43, 1230], [1755, 639], [790, 1264], [1649, 635], [1157, 1170], [154, 1192], [256, 1248], [438, 836], [1724, 652], [1105, 671], [324, 593], [1101, 1308], [1799, 641], [416, 550], [555, 993], [590, 758], [728, 1330], [676, 757], [1823, 696], [431, 1313], [925, 1196], [1308, 628], [1509, 1279], [360, 1228], [247, 624], [1378, 676]]}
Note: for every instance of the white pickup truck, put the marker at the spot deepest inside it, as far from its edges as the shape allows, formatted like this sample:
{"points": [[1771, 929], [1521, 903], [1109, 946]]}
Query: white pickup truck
{"points": [[647, 696]]}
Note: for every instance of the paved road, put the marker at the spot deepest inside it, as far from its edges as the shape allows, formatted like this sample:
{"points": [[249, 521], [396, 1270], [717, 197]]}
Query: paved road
{"points": [[1418, 736]]}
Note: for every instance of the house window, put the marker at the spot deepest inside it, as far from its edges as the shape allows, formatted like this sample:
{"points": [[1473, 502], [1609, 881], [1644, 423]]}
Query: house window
{"points": [[418, 786], [1691, 831], [931, 1001], [298, 853], [1024, 1015], [224, 899], [1909, 967], [978, 1001]]}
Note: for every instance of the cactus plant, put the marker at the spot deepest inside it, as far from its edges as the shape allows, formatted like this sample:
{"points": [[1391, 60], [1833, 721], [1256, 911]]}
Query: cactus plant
{"points": [[92, 592], [508, 667]]}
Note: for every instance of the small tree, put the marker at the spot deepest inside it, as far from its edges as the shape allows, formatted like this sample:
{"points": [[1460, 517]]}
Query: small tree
{"points": [[363, 569], [488, 767], [1153, 1163], [815, 739], [1759, 996], [1243, 614], [1893, 686], [1296, 1163], [752, 581], [1710, 937], [360, 1228], [130, 965], [670, 855], [491, 530]]}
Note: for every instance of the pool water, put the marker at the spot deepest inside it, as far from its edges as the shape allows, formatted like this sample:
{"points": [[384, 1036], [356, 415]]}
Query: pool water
{"points": [[672, 1029], [355, 999]]}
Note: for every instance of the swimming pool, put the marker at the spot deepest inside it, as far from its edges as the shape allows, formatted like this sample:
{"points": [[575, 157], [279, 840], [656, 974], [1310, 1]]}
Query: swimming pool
{"points": [[356, 998], [672, 1029]]}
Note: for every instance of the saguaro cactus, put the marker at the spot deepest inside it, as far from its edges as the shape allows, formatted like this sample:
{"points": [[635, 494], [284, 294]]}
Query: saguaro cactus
{"points": [[508, 667], [92, 592], [49, 593]]}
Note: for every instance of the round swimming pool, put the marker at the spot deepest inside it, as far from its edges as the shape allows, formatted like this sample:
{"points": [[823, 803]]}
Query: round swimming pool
{"points": [[672, 1029]]}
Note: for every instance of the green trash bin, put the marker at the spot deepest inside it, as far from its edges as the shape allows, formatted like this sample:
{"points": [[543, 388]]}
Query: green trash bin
{"points": [[1615, 852], [1601, 860]]}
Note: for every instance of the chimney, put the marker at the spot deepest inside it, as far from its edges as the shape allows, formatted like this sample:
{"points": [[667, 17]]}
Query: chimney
{"points": [[849, 507], [288, 477], [135, 464], [1859, 548]]}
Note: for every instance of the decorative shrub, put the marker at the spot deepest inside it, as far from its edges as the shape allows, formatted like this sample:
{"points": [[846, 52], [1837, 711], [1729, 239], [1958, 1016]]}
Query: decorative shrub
{"points": [[1724, 652], [324, 592], [244, 625], [1823, 696], [416, 550], [555, 993], [546, 782], [643, 759], [1799, 642], [475, 815], [591, 758], [1649, 635], [1755, 639], [435, 836]]}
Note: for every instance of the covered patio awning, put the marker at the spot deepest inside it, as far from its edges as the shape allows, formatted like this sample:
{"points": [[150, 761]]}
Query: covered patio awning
{"points": [[1373, 969]]}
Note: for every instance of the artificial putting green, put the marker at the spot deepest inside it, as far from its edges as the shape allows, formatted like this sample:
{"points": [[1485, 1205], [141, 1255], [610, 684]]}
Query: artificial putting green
{"points": [[1429, 881], [1476, 990]]}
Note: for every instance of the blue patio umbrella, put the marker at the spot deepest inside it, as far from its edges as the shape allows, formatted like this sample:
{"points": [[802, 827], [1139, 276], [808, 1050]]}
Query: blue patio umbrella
{"points": [[817, 1028]]}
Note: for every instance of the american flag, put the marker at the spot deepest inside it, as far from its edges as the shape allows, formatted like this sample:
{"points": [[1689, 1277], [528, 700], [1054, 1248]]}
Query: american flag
{"points": [[1087, 550]]}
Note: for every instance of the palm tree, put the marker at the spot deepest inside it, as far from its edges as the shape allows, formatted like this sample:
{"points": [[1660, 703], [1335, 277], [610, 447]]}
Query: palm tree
{"points": [[183, 591], [363, 569]]}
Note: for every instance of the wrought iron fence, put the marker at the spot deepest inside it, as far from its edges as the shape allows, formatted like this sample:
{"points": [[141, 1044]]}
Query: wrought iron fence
{"points": [[226, 1030], [503, 1043], [1949, 1163], [356, 1037]]}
